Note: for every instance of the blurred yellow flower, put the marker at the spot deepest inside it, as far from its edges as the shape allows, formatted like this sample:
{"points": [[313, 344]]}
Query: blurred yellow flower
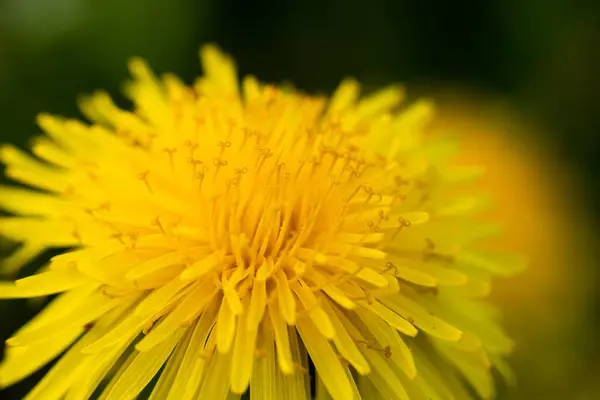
{"points": [[530, 195], [226, 242], [538, 199]]}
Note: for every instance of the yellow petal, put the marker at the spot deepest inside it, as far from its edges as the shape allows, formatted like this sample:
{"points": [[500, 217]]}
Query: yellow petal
{"points": [[20, 362], [143, 368], [225, 327], [188, 379], [42, 284], [215, 384], [243, 354], [167, 377], [325, 360], [192, 304], [284, 354], [345, 344], [421, 317], [286, 301], [265, 383], [314, 310]]}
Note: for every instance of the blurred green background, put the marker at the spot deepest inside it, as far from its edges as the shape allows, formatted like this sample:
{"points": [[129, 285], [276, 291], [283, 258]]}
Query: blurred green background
{"points": [[531, 66]]}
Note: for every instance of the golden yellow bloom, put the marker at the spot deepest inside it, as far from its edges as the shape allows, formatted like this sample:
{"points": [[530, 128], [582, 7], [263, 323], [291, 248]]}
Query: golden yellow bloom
{"points": [[226, 242]]}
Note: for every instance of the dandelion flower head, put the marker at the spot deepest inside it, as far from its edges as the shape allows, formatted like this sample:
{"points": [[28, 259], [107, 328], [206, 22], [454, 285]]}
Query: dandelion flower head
{"points": [[230, 238]]}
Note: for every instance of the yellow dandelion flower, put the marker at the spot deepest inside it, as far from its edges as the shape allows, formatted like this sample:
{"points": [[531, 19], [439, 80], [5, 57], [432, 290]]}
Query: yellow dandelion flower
{"points": [[228, 240]]}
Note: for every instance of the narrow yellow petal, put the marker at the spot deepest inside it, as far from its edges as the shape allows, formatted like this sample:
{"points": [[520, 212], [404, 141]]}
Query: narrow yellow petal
{"points": [[384, 378], [188, 378], [478, 374], [325, 360], [215, 384], [143, 368], [415, 276], [265, 270], [122, 367], [405, 359], [225, 327], [444, 275], [478, 319], [52, 233], [368, 389], [321, 392], [286, 301], [496, 263], [314, 310], [379, 102], [29, 202], [219, 68], [251, 88], [192, 304], [76, 373], [390, 341], [430, 379], [99, 365], [284, 354], [87, 311], [344, 97], [147, 93], [20, 257], [232, 297], [364, 273], [258, 302], [57, 382], [421, 317], [390, 317], [505, 369], [160, 297], [70, 259], [167, 377], [63, 304], [20, 362], [204, 266], [264, 382], [163, 261], [345, 344], [297, 385], [128, 326], [42, 284], [243, 354], [354, 238], [50, 152], [98, 107], [24, 168], [335, 293], [46, 180], [71, 135]]}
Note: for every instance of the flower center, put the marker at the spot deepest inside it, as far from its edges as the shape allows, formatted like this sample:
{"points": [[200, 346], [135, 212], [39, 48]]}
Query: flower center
{"points": [[280, 211]]}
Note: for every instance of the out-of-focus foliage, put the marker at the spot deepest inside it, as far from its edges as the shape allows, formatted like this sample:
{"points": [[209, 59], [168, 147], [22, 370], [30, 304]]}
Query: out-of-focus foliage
{"points": [[537, 58]]}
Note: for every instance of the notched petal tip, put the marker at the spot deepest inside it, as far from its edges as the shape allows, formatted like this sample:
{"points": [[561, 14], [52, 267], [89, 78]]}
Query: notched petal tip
{"points": [[211, 51], [7, 153], [44, 120], [139, 68], [213, 59]]}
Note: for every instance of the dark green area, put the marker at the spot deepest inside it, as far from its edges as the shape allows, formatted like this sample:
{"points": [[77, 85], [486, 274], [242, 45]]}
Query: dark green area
{"points": [[539, 56]]}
